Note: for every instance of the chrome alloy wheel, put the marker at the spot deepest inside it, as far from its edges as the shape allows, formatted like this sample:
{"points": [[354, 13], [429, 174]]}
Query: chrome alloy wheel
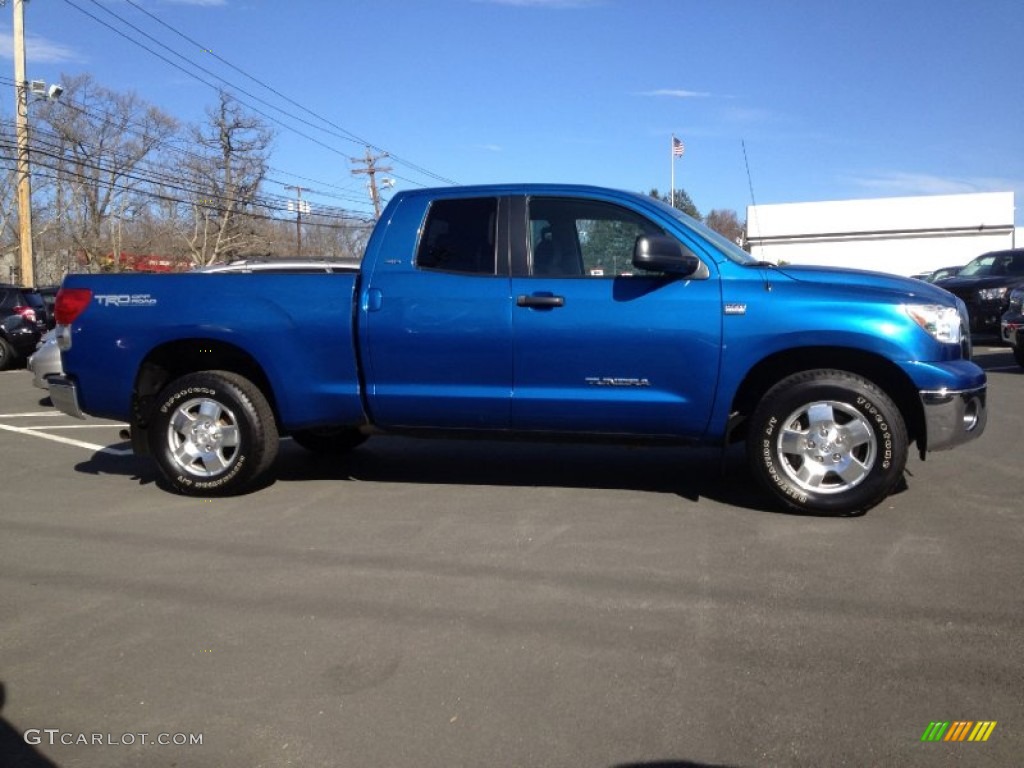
{"points": [[827, 447], [202, 436]]}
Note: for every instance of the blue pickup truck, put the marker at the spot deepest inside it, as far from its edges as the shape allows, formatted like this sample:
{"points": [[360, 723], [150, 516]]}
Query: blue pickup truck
{"points": [[536, 311]]}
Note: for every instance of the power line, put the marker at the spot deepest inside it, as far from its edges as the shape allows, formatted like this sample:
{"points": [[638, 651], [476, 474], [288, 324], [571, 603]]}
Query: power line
{"points": [[200, 197], [345, 135], [57, 175], [171, 144], [201, 80], [291, 101]]}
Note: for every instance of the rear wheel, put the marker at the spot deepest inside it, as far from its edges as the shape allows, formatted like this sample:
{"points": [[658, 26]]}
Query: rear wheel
{"points": [[828, 442], [1018, 353], [212, 434]]}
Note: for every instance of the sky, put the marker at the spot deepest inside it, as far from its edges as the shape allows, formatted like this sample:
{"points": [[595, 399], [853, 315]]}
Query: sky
{"points": [[821, 99]]}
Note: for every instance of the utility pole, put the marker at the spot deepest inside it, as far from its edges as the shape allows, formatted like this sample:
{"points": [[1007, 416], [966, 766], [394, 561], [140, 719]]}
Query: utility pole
{"points": [[27, 270], [300, 208], [371, 170]]}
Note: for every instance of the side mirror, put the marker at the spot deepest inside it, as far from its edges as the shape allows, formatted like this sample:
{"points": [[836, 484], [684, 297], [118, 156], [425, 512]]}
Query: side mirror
{"points": [[658, 253]]}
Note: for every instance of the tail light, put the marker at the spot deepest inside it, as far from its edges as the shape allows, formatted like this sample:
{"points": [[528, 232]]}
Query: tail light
{"points": [[71, 302], [27, 312]]}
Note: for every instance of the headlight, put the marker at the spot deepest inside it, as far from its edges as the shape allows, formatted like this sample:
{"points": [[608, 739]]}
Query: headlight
{"points": [[941, 323], [1017, 299], [992, 294]]}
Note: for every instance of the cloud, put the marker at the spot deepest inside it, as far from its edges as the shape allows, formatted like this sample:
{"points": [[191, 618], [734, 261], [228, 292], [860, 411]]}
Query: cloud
{"points": [[490, 147], [38, 50], [904, 183], [677, 93]]}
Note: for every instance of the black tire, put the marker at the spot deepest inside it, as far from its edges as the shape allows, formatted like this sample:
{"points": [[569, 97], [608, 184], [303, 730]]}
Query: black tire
{"points": [[1018, 354], [212, 434], [7, 355], [827, 442], [332, 441]]}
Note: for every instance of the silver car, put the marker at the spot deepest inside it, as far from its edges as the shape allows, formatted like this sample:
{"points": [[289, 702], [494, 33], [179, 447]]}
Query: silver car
{"points": [[45, 361]]}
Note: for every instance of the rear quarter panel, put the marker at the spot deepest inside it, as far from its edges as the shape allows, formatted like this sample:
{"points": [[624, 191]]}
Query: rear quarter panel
{"points": [[298, 329]]}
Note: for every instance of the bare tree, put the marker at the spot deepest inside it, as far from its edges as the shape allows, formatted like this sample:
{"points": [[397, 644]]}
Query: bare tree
{"points": [[226, 179], [95, 144], [334, 238], [725, 222]]}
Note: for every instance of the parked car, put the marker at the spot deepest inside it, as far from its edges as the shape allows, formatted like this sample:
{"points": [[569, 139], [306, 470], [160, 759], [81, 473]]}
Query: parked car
{"points": [[504, 311], [45, 361], [282, 266], [49, 296], [1011, 327], [985, 283], [20, 326], [943, 273]]}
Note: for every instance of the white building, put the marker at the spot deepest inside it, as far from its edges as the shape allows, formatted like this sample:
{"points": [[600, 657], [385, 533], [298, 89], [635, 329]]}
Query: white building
{"points": [[901, 235]]}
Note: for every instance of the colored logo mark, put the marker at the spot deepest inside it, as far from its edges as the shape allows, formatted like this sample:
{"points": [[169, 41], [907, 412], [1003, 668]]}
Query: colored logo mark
{"points": [[959, 730]]}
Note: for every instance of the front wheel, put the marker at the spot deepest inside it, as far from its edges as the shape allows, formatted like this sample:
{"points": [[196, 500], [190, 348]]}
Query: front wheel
{"points": [[828, 442], [212, 434], [1018, 353]]}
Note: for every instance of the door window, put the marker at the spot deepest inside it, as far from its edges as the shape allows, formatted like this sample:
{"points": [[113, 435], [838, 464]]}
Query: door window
{"points": [[584, 238], [460, 236]]}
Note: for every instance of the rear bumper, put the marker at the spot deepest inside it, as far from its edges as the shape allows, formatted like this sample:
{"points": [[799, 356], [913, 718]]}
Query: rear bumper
{"points": [[64, 395], [953, 417]]}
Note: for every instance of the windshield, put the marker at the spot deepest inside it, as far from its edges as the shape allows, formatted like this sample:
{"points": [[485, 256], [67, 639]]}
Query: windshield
{"points": [[990, 264], [728, 248]]}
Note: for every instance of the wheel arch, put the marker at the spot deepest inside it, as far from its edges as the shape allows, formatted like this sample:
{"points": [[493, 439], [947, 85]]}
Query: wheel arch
{"points": [[177, 358], [881, 372]]}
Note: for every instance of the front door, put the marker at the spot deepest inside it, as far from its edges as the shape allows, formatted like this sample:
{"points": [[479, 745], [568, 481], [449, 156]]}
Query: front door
{"points": [[600, 346]]}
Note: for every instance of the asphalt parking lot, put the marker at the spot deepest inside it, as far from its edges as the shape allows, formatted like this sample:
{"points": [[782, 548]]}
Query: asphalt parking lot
{"points": [[482, 604]]}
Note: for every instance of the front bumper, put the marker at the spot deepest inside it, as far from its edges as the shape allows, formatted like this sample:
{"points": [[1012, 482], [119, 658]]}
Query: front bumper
{"points": [[953, 417], [64, 396]]}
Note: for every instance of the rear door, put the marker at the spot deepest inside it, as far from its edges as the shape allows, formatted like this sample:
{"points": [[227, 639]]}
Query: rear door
{"points": [[437, 325], [598, 345]]}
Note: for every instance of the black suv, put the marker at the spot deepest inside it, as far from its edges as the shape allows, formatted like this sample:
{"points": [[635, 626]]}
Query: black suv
{"points": [[1012, 325], [21, 325], [985, 285]]}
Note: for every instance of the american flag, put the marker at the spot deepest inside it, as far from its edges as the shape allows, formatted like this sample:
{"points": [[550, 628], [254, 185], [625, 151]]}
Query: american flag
{"points": [[677, 147]]}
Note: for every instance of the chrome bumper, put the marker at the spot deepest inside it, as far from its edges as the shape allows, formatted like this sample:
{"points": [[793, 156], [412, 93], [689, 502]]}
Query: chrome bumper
{"points": [[953, 417], [64, 396]]}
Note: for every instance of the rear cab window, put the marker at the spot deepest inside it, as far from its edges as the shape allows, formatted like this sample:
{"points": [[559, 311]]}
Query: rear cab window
{"points": [[460, 235]]}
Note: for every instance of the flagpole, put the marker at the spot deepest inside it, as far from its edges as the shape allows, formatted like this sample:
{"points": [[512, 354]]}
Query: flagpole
{"points": [[672, 161]]}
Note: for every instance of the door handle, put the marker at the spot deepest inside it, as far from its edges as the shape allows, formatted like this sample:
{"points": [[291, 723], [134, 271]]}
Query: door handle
{"points": [[540, 302]]}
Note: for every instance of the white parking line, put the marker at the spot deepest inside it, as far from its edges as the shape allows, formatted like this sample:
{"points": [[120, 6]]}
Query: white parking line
{"points": [[27, 415], [67, 440], [75, 426]]}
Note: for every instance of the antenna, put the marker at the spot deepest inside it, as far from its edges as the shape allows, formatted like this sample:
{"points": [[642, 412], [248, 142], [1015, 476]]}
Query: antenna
{"points": [[750, 184]]}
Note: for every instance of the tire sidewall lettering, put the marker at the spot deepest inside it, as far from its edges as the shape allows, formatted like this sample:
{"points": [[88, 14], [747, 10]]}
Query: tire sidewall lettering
{"points": [[181, 394]]}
